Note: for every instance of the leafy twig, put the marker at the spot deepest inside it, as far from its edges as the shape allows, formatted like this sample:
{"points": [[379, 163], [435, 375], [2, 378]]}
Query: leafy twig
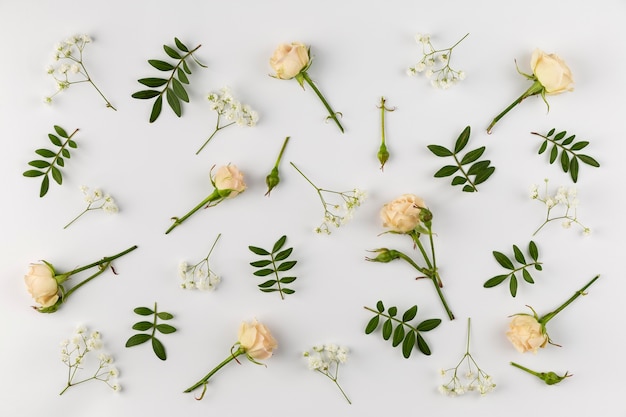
{"points": [[507, 263], [276, 255], [140, 338]]}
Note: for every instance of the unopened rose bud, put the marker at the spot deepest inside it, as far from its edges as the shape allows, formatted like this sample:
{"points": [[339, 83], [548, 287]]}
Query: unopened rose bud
{"points": [[272, 180], [551, 378], [384, 255]]}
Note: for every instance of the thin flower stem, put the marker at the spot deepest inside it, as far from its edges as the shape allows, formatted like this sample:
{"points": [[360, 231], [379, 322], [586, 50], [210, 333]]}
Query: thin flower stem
{"points": [[536, 88], [108, 103], [179, 220], [205, 379], [282, 150], [217, 129], [77, 217], [546, 318], [331, 112], [523, 368], [305, 177]]}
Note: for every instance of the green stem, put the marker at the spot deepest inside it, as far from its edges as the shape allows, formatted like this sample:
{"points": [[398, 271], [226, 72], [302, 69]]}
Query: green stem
{"points": [[523, 368], [534, 89], [546, 318], [77, 217], [217, 129], [108, 104], [205, 379], [178, 220], [305, 177], [331, 112], [282, 150]]}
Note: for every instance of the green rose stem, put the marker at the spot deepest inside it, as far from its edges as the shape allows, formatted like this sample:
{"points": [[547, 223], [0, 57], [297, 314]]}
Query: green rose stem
{"points": [[204, 381], [536, 88], [273, 179], [304, 76], [215, 195], [383, 154], [549, 378], [546, 318]]}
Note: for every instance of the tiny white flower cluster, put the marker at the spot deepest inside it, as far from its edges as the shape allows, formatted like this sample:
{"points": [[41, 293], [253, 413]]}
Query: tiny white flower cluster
{"points": [[339, 214], [326, 359], [479, 381], [435, 64], [69, 54], [199, 276], [564, 197], [233, 110], [74, 353], [96, 200]]}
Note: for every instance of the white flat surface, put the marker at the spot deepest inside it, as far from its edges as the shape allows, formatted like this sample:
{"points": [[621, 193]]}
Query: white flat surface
{"points": [[361, 52]]}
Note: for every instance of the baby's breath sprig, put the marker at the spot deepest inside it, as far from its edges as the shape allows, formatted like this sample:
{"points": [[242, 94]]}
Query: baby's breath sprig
{"points": [[74, 354], [476, 378], [436, 63], [550, 378], [383, 153], [233, 111], [96, 200], [335, 214], [72, 69], [199, 276], [326, 359], [566, 198]]}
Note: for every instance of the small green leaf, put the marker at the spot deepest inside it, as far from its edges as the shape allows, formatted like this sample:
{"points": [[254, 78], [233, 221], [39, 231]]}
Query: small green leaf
{"points": [[497, 280], [579, 145], [551, 132], [513, 285], [458, 180], [287, 280], [422, 345], [159, 349], [564, 161], [268, 283], [398, 336], [137, 339], [55, 140], [472, 156], [393, 311], [538, 267], [182, 77], [173, 101], [532, 249], [560, 135], [60, 161], [279, 244], [462, 140], [407, 345], [186, 67], [469, 188], [503, 260], [72, 144], [380, 307], [478, 167], [446, 171], [179, 90], [258, 251], [56, 175], [554, 153], [165, 328], [372, 324], [589, 160], [65, 153], [519, 256], [45, 185], [288, 291], [269, 289], [263, 272], [153, 82], [46, 153], [543, 147], [283, 254], [527, 277], [156, 109], [33, 173], [145, 94], [261, 264], [143, 311], [440, 150], [39, 164], [161, 65], [428, 325], [387, 329], [573, 169], [568, 140], [171, 52], [181, 45], [484, 175], [165, 315], [286, 266], [409, 314], [61, 132], [142, 326]]}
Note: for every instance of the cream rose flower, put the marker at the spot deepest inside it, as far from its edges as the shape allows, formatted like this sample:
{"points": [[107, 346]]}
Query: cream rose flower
{"points": [[552, 72], [42, 285], [402, 214], [289, 60], [526, 333], [229, 181], [257, 341]]}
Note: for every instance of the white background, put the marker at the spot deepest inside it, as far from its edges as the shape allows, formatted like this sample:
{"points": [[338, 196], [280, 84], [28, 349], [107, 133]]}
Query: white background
{"points": [[361, 51]]}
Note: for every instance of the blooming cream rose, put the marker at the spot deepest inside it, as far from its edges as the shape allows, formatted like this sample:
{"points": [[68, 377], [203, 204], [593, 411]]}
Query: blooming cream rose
{"points": [[289, 59], [42, 285], [552, 72], [256, 340], [402, 214], [526, 333], [229, 181]]}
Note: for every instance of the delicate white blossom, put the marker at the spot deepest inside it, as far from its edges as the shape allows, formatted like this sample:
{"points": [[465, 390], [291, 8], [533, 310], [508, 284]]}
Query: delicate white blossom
{"points": [[96, 200], [326, 359], [565, 199], [437, 61]]}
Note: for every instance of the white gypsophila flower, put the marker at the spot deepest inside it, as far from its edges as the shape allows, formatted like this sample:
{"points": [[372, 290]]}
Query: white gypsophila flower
{"points": [[461, 75], [586, 231], [566, 224], [74, 69], [315, 363], [534, 191], [411, 71], [113, 372], [116, 387], [182, 269]]}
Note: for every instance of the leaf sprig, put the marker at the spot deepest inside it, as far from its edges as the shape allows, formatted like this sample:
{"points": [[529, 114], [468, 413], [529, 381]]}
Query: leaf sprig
{"points": [[57, 159], [173, 88], [409, 337], [139, 338], [480, 170], [566, 145], [272, 266], [507, 263]]}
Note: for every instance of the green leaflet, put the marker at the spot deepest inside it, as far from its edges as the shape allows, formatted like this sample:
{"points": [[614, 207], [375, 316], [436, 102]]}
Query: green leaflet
{"points": [[171, 87], [509, 264], [277, 263], [153, 327], [567, 146], [50, 168], [467, 166], [399, 330]]}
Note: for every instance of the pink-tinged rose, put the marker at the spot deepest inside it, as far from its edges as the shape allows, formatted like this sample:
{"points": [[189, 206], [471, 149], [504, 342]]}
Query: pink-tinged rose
{"points": [[289, 60], [552, 72], [42, 285], [229, 181], [256, 340], [526, 333], [402, 215]]}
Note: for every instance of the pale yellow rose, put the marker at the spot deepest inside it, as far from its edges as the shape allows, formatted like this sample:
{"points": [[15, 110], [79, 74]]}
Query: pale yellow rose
{"points": [[552, 72], [289, 59], [526, 333], [229, 181], [402, 214], [41, 284], [256, 340]]}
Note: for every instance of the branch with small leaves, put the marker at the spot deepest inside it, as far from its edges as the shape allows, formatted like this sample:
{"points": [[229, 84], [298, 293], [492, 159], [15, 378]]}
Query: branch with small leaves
{"points": [[569, 157], [173, 88], [276, 255], [139, 338], [46, 168], [507, 263], [408, 338], [480, 170]]}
